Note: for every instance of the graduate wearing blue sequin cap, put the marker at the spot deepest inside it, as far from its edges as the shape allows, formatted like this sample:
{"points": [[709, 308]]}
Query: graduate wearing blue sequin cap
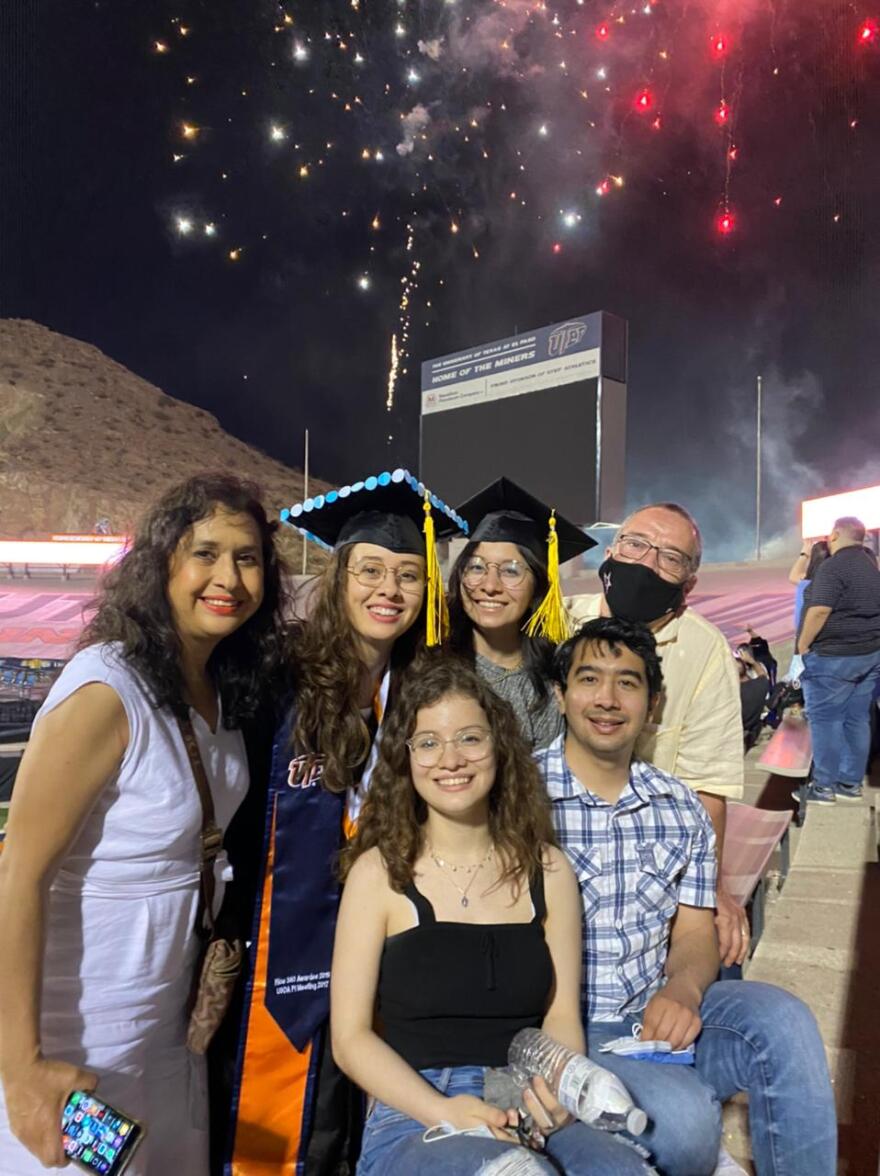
{"points": [[392, 510], [379, 599], [387, 509]]}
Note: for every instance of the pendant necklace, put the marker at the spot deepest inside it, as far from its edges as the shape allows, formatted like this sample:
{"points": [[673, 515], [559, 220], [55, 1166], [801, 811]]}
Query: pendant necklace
{"points": [[452, 870]]}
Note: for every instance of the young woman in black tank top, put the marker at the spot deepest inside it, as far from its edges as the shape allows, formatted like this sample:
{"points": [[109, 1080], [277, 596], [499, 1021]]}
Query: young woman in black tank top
{"points": [[460, 924]]}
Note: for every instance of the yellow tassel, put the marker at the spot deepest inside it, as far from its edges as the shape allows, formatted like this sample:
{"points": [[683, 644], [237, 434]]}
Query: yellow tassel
{"points": [[438, 616], [550, 619]]}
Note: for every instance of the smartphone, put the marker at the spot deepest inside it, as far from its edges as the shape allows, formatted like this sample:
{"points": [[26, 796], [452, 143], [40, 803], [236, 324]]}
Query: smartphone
{"points": [[96, 1136]]}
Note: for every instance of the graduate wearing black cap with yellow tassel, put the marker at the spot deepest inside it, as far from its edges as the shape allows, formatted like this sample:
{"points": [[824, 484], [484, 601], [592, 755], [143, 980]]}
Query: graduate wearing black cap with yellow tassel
{"points": [[505, 601], [381, 597]]}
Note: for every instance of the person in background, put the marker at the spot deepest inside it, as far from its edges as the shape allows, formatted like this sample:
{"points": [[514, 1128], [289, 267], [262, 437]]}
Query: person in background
{"points": [[753, 667], [99, 876], [695, 731], [500, 595], [759, 653], [839, 641], [642, 847], [802, 572], [290, 1108], [459, 926], [754, 686]]}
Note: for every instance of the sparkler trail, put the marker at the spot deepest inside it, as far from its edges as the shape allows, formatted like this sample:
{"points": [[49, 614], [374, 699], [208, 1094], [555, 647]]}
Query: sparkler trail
{"points": [[400, 340]]}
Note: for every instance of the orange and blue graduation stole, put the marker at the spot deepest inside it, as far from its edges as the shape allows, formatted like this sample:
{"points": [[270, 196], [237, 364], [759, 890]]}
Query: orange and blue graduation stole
{"points": [[287, 1004]]}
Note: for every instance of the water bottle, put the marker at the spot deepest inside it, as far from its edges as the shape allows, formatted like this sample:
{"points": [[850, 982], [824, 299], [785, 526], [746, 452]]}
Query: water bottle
{"points": [[589, 1092]]}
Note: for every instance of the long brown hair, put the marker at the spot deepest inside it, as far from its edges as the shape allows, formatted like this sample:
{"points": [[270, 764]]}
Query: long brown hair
{"points": [[329, 675], [393, 812], [537, 652], [132, 606]]}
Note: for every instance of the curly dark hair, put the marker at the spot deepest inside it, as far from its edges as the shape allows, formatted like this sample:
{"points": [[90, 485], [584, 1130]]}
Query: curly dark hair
{"points": [[613, 632], [393, 813], [133, 608], [329, 675], [537, 652]]}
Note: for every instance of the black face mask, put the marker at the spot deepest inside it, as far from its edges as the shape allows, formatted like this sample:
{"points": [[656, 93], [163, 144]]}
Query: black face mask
{"points": [[636, 593]]}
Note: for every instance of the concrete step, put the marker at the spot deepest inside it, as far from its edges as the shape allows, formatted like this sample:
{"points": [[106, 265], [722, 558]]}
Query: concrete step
{"points": [[821, 942]]}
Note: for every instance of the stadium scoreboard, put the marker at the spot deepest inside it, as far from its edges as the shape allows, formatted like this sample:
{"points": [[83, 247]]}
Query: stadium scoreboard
{"points": [[546, 408]]}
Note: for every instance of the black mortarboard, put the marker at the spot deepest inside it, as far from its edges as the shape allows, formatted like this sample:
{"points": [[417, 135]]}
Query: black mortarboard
{"points": [[392, 509], [505, 513], [387, 509]]}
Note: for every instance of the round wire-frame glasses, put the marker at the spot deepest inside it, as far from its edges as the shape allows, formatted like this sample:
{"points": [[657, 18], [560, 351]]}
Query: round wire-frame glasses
{"points": [[373, 575], [474, 743], [511, 572]]}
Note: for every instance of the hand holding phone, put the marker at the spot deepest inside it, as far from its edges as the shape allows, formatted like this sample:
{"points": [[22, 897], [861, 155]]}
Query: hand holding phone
{"points": [[35, 1094], [96, 1136]]}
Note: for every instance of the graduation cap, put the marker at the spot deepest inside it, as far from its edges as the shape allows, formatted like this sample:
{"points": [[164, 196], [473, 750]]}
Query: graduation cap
{"points": [[393, 510], [505, 513]]}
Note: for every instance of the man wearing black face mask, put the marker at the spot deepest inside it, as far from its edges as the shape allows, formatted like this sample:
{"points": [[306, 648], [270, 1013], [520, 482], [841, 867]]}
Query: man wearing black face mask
{"points": [[696, 734]]}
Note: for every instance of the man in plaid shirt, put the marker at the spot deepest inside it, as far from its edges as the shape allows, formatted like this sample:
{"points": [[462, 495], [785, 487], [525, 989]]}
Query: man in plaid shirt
{"points": [[643, 849]]}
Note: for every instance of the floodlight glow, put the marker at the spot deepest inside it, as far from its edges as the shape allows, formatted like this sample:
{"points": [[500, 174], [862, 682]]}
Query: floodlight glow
{"points": [[74, 552], [818, 515]]}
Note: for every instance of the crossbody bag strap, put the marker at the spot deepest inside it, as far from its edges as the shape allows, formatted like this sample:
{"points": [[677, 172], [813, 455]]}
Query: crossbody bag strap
{"points": [[212, 834]]}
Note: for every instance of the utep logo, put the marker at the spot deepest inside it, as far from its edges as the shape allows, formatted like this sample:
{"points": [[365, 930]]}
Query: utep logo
{"points": [[565, 337], [305, 771]]}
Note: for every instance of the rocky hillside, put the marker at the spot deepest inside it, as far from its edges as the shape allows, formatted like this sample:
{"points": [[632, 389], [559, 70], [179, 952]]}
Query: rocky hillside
{"points": [[82, 438]]}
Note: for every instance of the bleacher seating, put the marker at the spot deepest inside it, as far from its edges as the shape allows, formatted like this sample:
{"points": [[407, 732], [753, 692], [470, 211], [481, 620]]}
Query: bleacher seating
{"points": [[750, 838]]}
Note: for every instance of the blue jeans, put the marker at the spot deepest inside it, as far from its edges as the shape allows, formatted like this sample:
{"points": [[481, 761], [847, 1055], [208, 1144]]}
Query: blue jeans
{"points": [[838, 693], [393, 1144], [755, 1038]]}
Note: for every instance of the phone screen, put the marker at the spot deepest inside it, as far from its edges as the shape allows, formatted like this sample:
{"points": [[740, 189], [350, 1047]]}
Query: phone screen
{"points": [[97, 1137]]}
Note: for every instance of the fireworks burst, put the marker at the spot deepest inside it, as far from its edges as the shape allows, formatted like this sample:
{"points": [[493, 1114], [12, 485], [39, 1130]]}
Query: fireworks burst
{"points": [[450, 123]]}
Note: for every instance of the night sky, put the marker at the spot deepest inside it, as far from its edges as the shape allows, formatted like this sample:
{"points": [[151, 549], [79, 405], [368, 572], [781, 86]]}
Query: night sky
{"points": [[767, 114]]}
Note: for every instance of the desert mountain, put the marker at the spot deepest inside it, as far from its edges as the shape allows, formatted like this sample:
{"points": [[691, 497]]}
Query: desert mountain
{"points": [[82, 438]]}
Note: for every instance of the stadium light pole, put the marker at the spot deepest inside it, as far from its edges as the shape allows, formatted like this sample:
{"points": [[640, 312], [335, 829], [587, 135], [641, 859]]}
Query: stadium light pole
{"points": [[758, 441]]}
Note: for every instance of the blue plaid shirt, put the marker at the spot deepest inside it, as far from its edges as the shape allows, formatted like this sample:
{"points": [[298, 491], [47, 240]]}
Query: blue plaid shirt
{"points": [[635, 862]]}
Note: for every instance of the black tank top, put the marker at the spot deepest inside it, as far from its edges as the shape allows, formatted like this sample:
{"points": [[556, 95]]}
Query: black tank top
{"points": [[454, 994]]}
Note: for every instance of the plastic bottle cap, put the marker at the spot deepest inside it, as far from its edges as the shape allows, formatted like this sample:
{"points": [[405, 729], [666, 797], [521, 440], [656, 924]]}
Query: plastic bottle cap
{"points": [[636, 1121]]}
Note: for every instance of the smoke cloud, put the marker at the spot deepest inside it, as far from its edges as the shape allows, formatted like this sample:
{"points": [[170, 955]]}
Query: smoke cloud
{"points": [[432, 49], [414, 124]]}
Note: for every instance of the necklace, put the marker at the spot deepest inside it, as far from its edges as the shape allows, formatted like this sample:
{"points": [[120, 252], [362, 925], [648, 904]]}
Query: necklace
{"points": [[452, 870]]}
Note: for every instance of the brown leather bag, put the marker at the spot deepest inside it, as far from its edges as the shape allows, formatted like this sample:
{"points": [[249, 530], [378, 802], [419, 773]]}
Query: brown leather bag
{"points": [[222, 959]]}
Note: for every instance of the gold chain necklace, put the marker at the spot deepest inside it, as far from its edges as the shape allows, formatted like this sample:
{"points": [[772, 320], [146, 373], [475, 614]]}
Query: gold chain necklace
{"points": [[451, 870]]}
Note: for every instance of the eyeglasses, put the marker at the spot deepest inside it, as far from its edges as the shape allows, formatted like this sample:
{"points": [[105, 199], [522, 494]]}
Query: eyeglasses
{"points": [[670, 560], [409, 580], [511, 572], [474, 743]]}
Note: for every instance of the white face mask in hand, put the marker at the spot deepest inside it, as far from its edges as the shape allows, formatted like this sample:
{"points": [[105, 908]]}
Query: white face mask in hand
{"points": [[795, 669], [445, 1130], [517, 1161]]}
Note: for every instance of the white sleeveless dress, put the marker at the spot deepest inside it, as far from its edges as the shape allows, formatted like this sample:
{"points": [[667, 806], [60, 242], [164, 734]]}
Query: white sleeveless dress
{"points": [[120, 948]]}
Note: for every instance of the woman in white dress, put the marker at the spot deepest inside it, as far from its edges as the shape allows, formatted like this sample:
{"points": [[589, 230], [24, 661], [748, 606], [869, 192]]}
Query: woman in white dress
{"points": [[99, 879]]}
